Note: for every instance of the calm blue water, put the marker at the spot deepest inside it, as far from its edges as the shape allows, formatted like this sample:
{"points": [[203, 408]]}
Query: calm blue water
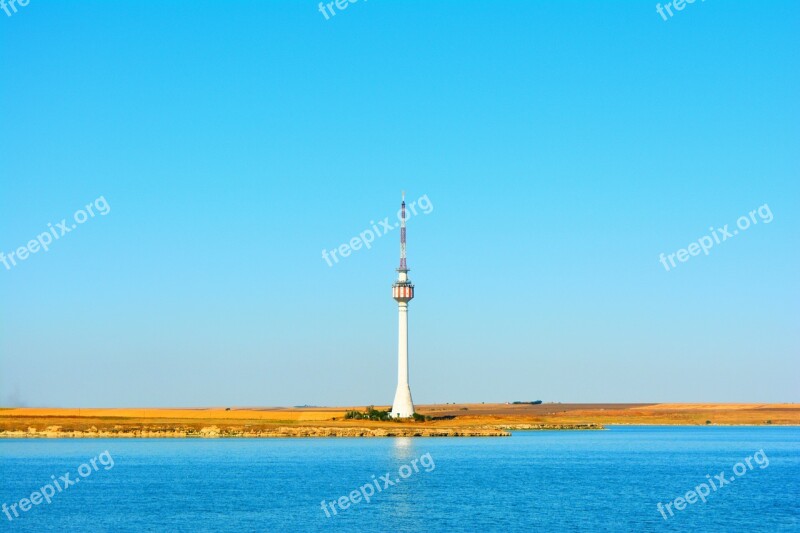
{"points": [[548, 481]]}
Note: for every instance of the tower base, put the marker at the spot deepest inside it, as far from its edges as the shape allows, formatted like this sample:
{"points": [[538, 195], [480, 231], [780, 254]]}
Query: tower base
{"points": [[402, 407]]}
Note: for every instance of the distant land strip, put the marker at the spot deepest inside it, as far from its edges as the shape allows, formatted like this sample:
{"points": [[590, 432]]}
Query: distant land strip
{"points": [[444, 420]]}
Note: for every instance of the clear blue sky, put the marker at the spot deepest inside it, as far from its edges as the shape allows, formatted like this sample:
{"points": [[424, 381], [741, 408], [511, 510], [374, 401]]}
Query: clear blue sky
{"points": [[563, 145]]}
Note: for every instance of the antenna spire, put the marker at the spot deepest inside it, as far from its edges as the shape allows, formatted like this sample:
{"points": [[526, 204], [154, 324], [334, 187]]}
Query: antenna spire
{"points": [[403, 267]]}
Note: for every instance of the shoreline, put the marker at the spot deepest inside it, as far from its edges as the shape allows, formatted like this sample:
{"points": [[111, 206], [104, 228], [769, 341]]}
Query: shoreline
{"points": [[326, 432], [444, 420], [214, 432]]}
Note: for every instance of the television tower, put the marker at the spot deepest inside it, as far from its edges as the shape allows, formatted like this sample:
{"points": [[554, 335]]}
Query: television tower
{"points": [[402, 292]]}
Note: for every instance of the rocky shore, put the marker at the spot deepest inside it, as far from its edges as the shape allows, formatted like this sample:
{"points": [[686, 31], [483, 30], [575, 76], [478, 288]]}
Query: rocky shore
{"points": [[547, 427], [212, 432]]}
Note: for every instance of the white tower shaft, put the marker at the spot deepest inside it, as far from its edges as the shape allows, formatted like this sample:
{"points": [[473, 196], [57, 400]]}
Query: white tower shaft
{"points": [[403, 406]]}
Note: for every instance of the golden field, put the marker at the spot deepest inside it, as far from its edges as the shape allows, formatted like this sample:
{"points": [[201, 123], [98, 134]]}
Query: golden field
{"points": [[449, 420]]}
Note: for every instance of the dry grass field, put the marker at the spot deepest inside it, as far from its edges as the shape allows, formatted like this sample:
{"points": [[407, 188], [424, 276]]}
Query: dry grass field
{"points": [[468, 419]]}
